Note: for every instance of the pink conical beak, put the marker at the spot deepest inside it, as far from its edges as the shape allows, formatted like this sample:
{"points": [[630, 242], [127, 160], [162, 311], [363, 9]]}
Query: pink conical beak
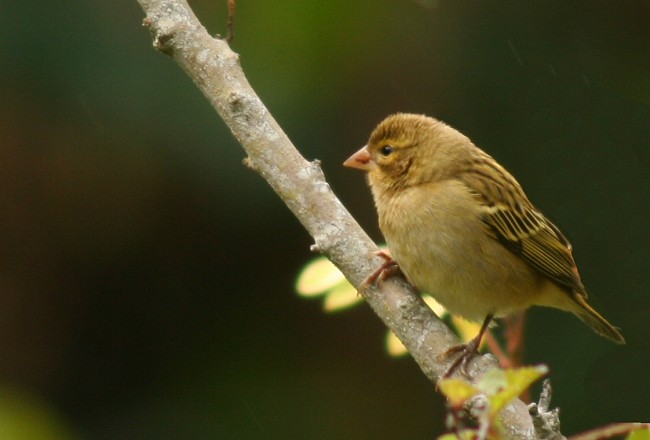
{"points": [[360, 160]]}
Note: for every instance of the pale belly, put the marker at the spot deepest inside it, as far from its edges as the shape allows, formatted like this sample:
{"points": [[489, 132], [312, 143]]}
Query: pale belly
{"points": [[448, 254]]}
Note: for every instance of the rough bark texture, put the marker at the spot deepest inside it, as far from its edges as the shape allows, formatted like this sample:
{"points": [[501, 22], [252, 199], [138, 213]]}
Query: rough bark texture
{"points": [[216, 71]]}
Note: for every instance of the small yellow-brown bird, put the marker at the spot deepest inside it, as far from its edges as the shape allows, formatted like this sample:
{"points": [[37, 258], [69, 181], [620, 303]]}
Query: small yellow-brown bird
{"points": [[461, 228]]}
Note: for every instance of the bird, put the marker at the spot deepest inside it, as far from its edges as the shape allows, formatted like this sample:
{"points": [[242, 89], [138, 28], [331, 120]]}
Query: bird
{"points": [[459, 226]]}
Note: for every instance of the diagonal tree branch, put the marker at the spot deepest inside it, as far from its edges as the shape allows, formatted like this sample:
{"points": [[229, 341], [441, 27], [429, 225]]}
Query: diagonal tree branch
{"points": [[216, 71]]}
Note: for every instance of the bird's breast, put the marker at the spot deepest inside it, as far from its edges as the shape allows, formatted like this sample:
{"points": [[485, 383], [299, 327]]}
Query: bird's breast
{"points": [[436, 235]]}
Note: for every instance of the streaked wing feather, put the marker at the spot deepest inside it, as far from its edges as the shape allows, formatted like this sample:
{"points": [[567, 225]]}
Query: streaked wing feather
{"points": [[521, 228]]}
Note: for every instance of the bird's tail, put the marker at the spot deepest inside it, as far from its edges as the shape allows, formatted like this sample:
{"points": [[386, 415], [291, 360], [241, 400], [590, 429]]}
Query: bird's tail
{"points": [[594, 320]]}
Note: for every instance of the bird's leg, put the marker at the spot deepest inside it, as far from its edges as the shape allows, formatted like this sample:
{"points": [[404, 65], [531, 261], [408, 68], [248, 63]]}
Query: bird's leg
{"points": [[388, 269], [467, 350]]}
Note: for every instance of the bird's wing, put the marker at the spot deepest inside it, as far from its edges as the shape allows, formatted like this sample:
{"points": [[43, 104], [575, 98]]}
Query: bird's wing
{"points": [[520, 227]]}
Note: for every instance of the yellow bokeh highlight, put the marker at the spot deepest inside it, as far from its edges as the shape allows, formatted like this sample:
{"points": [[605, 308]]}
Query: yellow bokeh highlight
{"points": [[434, 305], [394, 346], [321, 278], [341, 297], [318, 277], [466, 330]]}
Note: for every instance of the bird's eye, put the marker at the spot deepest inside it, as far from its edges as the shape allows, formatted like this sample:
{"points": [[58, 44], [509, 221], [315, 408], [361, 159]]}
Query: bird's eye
{"points": [[386, 150]]}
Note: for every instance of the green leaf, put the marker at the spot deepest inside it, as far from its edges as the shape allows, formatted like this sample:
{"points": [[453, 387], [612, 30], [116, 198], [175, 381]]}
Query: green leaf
{"points": [[493, 382], [457, 390], [634, 431], [465, 434], [639, 434], [518, 380]]}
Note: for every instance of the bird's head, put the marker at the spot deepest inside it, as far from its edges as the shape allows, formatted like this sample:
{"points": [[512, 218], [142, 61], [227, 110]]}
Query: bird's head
{"points": [[407, 150]]}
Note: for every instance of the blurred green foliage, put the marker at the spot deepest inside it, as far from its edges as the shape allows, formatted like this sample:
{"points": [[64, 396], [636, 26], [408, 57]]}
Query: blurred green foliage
{"points": [[26, 417], [147, 277], [499, 387]]}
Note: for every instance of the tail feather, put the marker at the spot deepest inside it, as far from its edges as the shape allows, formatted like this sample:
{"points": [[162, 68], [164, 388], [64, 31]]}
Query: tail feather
{"points": [[594, 320]]}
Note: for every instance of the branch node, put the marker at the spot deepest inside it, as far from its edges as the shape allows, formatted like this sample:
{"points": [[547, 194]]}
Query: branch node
{"points": [[235, 102], [314, 248], [316, 167], [248, 163], [163, 31]]}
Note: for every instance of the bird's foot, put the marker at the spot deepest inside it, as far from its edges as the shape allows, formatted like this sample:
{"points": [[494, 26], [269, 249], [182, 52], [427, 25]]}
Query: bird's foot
{"points": [[467, 352], [388, 269]]}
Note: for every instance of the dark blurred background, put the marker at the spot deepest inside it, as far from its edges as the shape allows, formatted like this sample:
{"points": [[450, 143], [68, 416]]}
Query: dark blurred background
{"points": [[147, 277]]}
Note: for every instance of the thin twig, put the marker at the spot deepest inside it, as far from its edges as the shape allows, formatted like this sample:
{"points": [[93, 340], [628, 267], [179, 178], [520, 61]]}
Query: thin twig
{"points": [[231, 21]]}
